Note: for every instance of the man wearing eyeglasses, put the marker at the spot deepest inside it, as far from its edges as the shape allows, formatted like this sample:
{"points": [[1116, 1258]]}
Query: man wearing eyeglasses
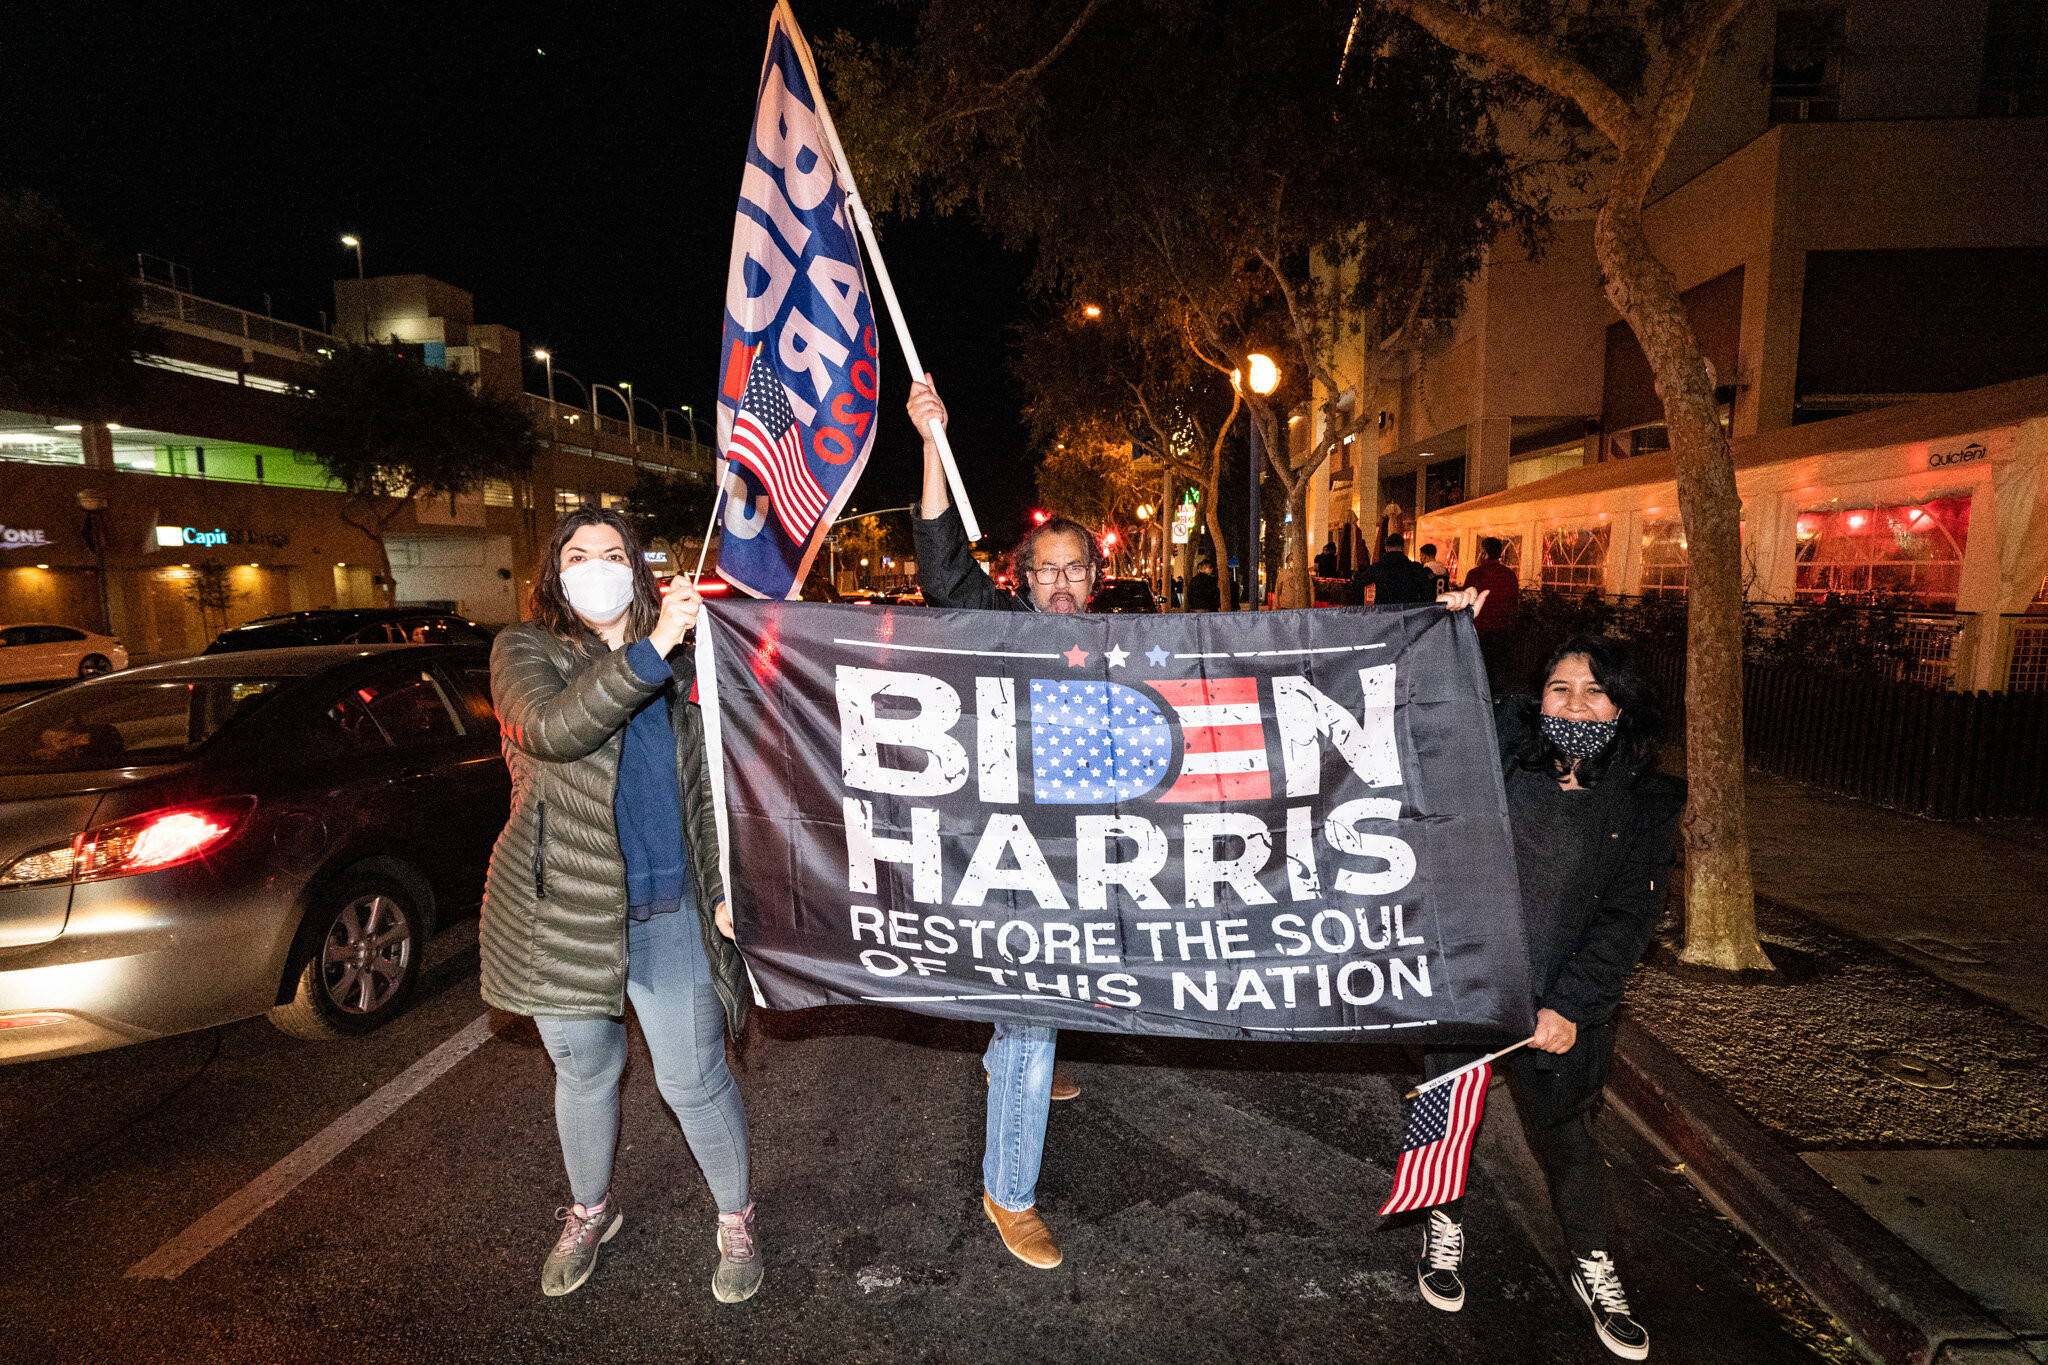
{"points": [[1056, 567]]}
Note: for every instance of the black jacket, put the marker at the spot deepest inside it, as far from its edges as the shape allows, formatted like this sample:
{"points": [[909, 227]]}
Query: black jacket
{"points": [[1400, 581], [1632, 849], [947, 571], [1204, 593]]}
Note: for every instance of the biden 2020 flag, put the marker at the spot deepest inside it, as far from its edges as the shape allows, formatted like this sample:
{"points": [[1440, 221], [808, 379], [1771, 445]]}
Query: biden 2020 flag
{"points": [[798, 377], [1281, 825]]}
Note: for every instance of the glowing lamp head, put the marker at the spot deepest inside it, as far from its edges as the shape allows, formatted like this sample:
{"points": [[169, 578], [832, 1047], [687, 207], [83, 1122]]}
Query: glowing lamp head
{"points": [[1265, 374], [1091, 311], [542, 355], [350, 241], [1039, 518]]}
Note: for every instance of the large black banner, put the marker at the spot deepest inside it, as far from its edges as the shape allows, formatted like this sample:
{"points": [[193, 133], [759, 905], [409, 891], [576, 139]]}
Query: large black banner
{"points": [[1272, 825]]}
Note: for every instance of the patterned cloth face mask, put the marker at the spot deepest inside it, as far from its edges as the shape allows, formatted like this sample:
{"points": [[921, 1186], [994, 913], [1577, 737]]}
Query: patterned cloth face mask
{"points": [[1580, 739]]}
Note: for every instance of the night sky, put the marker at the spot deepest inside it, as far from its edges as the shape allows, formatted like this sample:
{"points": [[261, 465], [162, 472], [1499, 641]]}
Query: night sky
{"points": [[573, 167]]}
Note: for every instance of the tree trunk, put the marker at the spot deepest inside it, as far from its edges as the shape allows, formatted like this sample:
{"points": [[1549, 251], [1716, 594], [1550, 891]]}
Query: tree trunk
{"points": [[1720, 914], [1297, 587], [1225, 585]]}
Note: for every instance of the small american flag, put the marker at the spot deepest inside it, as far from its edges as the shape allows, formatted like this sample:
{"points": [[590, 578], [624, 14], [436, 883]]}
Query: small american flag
{"points": [[1224, 743], [1095, 743], [1437, 1143], [767, 440]]}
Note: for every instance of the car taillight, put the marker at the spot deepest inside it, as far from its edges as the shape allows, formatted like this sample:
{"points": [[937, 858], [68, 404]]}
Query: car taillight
{"points": [[160, 839], [142, 843]]}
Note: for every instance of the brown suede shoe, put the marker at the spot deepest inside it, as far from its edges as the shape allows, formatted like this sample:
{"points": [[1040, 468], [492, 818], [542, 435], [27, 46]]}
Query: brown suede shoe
{"points": [[1064, 1086], [1025, 1234]]}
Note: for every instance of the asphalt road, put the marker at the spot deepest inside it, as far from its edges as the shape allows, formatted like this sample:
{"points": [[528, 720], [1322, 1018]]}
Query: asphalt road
{"points": [[1215, 1202]]}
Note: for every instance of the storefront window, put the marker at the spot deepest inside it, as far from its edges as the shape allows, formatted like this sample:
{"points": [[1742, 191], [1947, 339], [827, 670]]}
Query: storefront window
{"points": [[1575, 559], [1510, 549], [1910, 554], [1664, 558]]}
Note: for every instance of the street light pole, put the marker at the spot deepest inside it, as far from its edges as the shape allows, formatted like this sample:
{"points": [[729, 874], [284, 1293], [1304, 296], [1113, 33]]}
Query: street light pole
{"points": [[94, 504], [1265, 377], [362, 280]]}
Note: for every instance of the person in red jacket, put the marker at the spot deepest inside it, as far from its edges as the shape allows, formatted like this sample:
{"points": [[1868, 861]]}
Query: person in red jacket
{"points": [[1497, 618]]}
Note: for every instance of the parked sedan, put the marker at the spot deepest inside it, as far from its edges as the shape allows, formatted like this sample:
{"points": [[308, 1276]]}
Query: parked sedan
{"points": [[1124, 596], [352, 626], [45, 653], [191, 843]]}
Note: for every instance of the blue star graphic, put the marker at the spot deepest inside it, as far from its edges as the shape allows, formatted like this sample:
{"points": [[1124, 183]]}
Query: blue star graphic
{"points": [[1157, 655]]}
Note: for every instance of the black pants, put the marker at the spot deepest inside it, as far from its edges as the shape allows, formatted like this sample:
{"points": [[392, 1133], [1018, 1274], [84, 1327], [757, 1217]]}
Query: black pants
{"points": [[1555, 1096]]}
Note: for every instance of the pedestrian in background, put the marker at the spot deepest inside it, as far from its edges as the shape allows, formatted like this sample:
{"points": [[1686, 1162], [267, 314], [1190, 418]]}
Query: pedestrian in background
{"points": [[1204, 593], [1595, 828], [1496, 620], [605, 885], [1437, 567], [1397, 580]]}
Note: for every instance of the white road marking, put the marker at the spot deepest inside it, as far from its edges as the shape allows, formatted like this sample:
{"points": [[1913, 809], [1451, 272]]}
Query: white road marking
{"points": [[247, 1204]]}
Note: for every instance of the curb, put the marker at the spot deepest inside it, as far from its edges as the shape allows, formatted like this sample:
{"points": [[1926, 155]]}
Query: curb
{"points": [[1898, 1308]]}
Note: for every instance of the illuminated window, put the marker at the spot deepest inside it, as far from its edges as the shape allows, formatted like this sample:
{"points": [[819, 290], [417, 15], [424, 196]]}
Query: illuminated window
{"points": [[1908, 554], [1664, 558], [1575, 560]]}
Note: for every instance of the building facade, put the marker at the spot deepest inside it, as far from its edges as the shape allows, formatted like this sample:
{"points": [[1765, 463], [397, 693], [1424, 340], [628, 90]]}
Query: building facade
{"points": [[193, 513], [1857, 213]]}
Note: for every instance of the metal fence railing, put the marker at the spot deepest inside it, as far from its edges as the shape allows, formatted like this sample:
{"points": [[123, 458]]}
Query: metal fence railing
{"points": [[162, 303], [1946, 754]]}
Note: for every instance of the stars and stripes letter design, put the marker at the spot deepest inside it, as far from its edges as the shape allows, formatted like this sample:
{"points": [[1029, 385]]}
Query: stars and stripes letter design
{"points": [[767, 440], [1224, 745], [1436, 1145], [1095, 742]]}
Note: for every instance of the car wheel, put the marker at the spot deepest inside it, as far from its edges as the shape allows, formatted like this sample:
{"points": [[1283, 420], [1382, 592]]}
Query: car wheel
{"points": [[365, 962], [92, 665]]}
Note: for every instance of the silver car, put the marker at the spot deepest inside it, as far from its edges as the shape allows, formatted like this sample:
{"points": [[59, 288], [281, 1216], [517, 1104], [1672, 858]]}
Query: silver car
{"points": [[277, 832]]}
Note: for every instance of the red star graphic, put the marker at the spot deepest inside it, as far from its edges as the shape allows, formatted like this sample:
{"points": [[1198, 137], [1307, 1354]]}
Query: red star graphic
{"points": [[1076, 657]]}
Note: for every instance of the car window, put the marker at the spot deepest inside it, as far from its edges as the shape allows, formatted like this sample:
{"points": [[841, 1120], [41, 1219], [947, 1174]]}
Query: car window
{"points": [[349, 723], [475, 681], [60, 635], [118, 724], [381, 633], [17, 635], [409, 707]]}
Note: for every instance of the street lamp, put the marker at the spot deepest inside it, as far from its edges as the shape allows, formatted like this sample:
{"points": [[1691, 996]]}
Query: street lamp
{"points": [[364, 292], [632, 429], [1265, 377], [1092, 310]]}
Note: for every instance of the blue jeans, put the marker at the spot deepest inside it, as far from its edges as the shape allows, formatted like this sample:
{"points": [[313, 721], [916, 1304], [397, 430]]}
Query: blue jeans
{"points": [[669, 982], [1019, 1065]]}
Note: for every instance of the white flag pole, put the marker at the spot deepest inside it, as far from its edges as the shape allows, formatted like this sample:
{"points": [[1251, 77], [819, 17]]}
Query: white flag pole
{"points": [[717, 498], [1450, 1076], [888, 288]]}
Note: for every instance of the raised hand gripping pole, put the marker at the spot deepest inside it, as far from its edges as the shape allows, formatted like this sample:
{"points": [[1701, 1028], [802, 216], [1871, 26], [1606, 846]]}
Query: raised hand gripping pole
{"points": [[882, 280]]}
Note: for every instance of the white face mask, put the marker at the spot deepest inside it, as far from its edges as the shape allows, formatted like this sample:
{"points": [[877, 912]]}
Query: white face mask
{"points": [[598, 588]]}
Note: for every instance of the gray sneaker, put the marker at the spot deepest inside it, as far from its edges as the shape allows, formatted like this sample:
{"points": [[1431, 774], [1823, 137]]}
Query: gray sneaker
{"points": [[740, 1270], [575, 1253]]}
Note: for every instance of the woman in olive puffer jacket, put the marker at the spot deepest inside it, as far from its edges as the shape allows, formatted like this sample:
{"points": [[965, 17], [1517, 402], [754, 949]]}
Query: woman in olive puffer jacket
{"points": [[605, 885]]}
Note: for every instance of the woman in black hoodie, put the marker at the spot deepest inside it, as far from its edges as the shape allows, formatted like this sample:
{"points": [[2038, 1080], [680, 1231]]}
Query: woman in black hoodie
{"points": [[1596, 829]]}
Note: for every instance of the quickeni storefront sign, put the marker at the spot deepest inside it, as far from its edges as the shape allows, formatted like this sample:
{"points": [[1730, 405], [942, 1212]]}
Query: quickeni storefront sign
{"points": [[177, 537]]}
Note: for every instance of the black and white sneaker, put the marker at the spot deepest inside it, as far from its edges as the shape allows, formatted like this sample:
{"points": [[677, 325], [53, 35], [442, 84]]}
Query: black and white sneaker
{"points": [[1443, 1251], [1600, 1290]]}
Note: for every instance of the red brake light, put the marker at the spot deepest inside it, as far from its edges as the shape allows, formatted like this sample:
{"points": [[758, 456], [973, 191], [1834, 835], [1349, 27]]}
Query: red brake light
{"points": [[160, 839]]}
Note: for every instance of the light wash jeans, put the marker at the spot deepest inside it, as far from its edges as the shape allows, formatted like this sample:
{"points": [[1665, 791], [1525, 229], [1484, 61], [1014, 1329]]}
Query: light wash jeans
{"points": [[1019, 1065], [669, 982]]}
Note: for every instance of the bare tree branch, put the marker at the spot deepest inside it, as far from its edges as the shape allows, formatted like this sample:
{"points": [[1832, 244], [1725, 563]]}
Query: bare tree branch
{"points": [[1022, 76]]}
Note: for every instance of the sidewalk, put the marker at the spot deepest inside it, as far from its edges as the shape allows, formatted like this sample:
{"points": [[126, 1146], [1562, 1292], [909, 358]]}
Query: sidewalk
{"points": [[1876, 1113]]}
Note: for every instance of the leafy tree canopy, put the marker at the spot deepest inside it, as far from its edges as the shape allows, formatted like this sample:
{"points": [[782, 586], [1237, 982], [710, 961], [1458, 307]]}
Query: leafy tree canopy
{"points": [[671, 507], [385, 426]]}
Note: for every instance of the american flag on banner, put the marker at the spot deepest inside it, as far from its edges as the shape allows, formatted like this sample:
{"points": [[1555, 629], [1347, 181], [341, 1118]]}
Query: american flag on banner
{"points": [[766, 439], [1225, 742], [1436, 1146], [1095, 742]]}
